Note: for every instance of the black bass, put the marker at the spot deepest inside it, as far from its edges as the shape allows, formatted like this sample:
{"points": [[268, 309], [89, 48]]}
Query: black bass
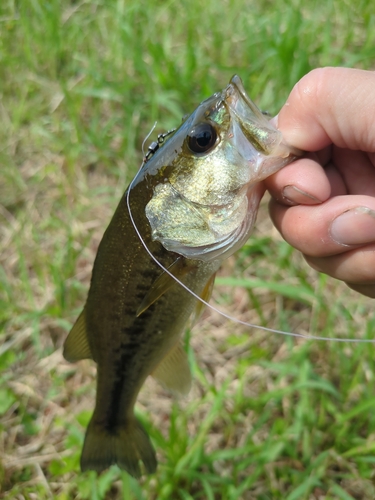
{"points": [[194, 203]]}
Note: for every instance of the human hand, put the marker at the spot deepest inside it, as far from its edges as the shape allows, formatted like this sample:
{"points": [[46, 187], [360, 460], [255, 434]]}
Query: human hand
{"points": [[324, 204]]}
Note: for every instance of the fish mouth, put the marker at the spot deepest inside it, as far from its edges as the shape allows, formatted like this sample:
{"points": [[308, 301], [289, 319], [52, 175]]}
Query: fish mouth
{"points": [[253, 135], [187, 212], [240, 103]]}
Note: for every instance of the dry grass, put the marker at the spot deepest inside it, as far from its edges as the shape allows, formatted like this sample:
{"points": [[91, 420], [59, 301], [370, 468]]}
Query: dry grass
{"points": [[268, 417]]}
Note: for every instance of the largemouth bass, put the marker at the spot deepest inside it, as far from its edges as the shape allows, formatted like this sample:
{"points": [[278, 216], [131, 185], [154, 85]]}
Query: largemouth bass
{"points": [[194, 203]]}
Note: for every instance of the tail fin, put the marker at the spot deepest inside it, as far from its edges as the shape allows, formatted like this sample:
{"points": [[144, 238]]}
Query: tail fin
{"points": [[124, 446]]}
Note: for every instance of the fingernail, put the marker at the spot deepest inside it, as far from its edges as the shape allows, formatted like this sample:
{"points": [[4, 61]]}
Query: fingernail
{"points": [[354, 227], [275, 121], [296, 196]]}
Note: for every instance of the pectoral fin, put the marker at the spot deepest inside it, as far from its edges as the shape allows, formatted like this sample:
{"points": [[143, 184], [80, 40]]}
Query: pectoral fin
{"points": [[76, 345], [174, 372], [205, 295], [179, 268]]}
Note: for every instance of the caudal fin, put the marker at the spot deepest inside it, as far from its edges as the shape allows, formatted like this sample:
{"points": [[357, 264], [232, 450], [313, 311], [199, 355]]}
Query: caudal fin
{"points": [[124, 446]]}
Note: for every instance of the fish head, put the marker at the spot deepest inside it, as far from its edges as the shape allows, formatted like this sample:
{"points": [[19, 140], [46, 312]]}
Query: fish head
{"points": [[206, 178]]}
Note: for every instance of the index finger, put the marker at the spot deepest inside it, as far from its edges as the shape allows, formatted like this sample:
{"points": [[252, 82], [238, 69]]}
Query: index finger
{"points": [[331, 105]]}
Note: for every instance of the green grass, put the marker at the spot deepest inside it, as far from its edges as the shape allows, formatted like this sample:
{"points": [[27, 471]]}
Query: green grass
{"points": [[81, 84]]}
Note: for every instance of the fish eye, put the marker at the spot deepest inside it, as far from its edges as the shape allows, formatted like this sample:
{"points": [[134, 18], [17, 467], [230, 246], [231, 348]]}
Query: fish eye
{"points": [[202, 138]]}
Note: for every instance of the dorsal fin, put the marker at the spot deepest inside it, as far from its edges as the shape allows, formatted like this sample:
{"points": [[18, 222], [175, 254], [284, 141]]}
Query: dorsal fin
{"points": [[173, 372], [76, 345], [163, 283], [205, 295]]}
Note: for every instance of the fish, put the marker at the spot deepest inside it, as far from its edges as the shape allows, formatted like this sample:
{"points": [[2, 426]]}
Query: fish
{"points": [[192, 204]]}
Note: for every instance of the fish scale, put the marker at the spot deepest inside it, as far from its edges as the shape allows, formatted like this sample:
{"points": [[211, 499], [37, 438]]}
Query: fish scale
{"points": [[193, 202]]}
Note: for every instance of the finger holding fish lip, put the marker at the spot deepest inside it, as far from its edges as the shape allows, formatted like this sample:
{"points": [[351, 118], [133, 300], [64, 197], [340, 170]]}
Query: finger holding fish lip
{"points": [[330, 105], [327, 113], [302, 182], [332, 121]]}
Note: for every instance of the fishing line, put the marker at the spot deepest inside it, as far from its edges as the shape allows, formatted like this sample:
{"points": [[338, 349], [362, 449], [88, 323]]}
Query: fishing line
{"points": [[144, 142], [210, 306]]}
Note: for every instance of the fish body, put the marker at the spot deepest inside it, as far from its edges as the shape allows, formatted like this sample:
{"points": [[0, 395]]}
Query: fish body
{"points": [[194, 203]]}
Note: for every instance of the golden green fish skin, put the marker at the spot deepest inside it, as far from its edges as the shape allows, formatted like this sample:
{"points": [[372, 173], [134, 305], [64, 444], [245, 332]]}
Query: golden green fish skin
{"points": [[125, 347], [206, 204], [192, 210]]}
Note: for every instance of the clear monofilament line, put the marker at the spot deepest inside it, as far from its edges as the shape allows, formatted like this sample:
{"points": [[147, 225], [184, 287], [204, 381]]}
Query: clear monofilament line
{"points": [[145, 139], [213, 308]]}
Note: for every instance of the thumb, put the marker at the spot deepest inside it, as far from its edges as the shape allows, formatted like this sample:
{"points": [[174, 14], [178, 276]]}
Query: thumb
{"points": [[331, 105]]}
